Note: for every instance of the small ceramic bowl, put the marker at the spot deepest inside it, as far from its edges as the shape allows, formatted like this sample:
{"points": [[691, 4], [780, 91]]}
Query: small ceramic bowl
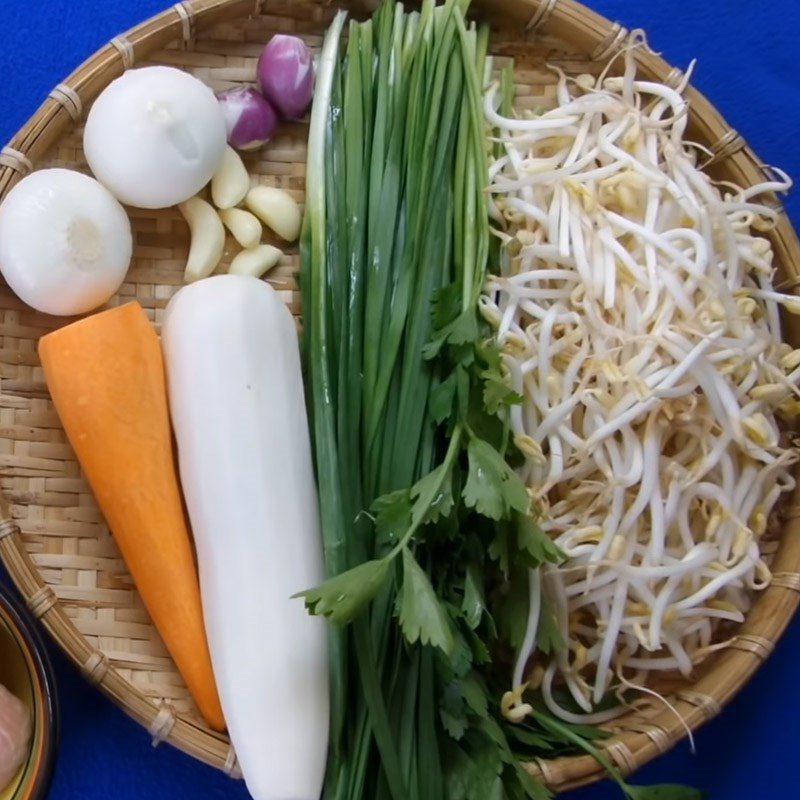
{"points": [[25, 670]]}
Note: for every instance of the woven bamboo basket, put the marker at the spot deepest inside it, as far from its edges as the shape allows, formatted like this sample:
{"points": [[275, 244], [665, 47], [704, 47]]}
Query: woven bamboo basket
{"points": [[53, 540]]}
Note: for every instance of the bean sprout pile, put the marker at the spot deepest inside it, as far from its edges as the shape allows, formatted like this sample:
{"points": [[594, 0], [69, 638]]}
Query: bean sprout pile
{"points": [[638, 320]]}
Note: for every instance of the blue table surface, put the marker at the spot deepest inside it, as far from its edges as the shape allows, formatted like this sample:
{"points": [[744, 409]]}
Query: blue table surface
{"points": [[749, 65]]}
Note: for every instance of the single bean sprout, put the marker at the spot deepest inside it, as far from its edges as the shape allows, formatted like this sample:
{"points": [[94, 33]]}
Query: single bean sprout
{"points": [[637, 316]]}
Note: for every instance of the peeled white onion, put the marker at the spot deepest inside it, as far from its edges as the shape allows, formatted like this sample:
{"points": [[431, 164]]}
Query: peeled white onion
{"points": [[65, 242], [155, 136]]}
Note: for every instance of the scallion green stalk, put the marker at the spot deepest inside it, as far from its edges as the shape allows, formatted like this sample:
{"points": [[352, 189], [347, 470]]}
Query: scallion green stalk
{"points": [[395, 213]]}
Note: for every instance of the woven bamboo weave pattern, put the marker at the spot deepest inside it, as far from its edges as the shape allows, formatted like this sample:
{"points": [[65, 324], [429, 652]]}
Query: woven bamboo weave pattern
{"points": [[53, 539]]}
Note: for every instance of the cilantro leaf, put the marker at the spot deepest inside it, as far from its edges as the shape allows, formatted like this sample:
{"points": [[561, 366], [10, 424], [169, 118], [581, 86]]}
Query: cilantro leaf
{"points": [[485, 426], [460, 662], [462, 355], [491, 354], [474, 605], [433, 495], [474, 694], [533, 541], [392, 515], [457, 771], [342, 597], [480, 652], [453, 711], [548, 638], [462, 330], [446, 305], [497, 393], [499, 547], [491, 728], [434, 347], [493, 488], [512, 611], [483, 778], [496, 791], [422, 616], [441, 399], [663, 791]]}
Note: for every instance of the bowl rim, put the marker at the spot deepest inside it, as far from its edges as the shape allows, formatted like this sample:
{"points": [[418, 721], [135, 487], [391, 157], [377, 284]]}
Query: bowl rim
{"points": [[28, 635]]}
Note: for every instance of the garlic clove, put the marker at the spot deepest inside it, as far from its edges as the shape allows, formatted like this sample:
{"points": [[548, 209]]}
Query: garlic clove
{"points": [[231, 182], [208, 238], [243, 225], [255, 262], [277, 209]]}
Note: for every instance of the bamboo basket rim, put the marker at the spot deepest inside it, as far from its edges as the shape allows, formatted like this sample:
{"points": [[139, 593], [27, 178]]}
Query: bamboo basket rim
{"points": [[638, 737]]}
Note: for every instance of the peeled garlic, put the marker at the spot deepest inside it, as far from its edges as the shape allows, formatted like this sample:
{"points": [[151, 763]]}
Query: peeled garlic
{"points": [[208, 238], [231, 182], [277, 209], [255, 262], [243, 225]]}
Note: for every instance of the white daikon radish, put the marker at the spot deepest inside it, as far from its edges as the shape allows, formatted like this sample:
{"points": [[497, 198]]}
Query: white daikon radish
{"points": [[236, 395]]}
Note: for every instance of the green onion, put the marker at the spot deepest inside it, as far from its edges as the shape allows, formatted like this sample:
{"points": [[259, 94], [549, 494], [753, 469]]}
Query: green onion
{"points": [[317, 351], [394, 255]]}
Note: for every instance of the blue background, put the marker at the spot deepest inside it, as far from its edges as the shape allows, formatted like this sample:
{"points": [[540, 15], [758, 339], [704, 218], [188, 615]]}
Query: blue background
{"points": [[749, 54]]}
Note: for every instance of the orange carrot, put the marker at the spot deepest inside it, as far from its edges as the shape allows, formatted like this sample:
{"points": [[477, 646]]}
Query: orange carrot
{"points": [[106, 376]]}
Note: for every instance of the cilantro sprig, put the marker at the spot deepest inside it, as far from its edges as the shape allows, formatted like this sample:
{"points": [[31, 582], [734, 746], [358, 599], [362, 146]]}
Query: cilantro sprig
{"points": [[443, 541], [474, 477]]}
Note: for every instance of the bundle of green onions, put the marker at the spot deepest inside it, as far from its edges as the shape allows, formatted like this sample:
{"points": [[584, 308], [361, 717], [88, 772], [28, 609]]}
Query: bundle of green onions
{"points": [[425, 522]]}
